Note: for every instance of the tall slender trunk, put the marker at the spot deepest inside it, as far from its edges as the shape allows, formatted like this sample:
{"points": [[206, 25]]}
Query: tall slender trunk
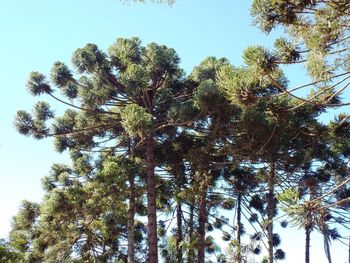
{"points": [[308, 226], [201, 225], [179, 257], [191, 254], [308, 230], [131, 221], [151, 201], [270, 211], [179, 234], [239, 227]]}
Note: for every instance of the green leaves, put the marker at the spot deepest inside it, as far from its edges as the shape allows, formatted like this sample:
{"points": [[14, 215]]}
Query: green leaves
{"points": [[135, 78], [239, 85], [79, 213], [27, 125], [318, 36], [211, 125], [208, 69], [60, 74], [268, 13], [260, 60], [136, 120], [27, 215], [42, 111], [88, 59], [65, 124], [7, 253], [317, 66], [160, 60], [290, 197], [23, 122], [23, 225], [125, 51], [287, 52], [37, 84], [207, 95]]}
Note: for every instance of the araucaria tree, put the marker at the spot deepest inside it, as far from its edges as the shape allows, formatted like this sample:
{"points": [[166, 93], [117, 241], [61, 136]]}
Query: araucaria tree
{"points": [[82, 216], [318, 38], [138, 129], [123, 93]]}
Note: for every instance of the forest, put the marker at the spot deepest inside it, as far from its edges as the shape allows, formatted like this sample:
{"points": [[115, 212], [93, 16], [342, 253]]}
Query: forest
{"points": [[207, 166]]}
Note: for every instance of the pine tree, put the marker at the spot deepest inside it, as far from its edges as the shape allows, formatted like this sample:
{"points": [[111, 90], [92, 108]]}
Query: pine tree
{"points": [[120, 94], [7, 253], [82, 217], [318, 38], [270, 129]]}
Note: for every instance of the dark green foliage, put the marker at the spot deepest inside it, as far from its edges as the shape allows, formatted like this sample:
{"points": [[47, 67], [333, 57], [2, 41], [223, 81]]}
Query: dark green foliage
{"points": [[223, 137], [136, 121], [276, 240], [23, 122], [284, 224], [37, 84], [80, 213], [257, 250], [269, 13], [286, 51], [256, 203], [87, 59], [226, 236], [7, 254], [60, 75], [318, 31], [280, 254], [42, 111], [260, 60]]}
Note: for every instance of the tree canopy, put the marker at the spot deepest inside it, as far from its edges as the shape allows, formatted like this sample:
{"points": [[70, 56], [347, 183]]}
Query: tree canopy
{"points": [[162, 160]]}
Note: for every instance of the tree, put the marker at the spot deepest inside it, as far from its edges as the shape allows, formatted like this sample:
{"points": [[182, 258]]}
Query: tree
{"points": [[241, 180], [313, 202], [146, 125], [82, 217], [214, 114], [285, 126], [7, 254], [319, 40], [120, 94]]}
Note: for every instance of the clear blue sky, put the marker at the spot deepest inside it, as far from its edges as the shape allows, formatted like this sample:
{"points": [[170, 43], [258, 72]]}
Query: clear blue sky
{"points": [[34, 34]]}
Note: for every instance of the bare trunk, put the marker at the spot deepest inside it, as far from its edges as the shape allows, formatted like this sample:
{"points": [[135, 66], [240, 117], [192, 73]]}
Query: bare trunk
{"points": [[131, 222], [191, 255], [308, 229], [151, 201], [270, 210], [179, 233], [309, 222], [239, 227], [201, 226], [307, 243]]}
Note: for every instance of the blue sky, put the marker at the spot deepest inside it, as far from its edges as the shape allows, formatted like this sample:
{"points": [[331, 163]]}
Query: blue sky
{"points": [[35, 34]]}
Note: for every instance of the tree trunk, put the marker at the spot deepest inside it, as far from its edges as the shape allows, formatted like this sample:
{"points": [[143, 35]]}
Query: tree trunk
{"points": [[307, 243], [239, 227], [151, 201], [191, 254], [131, 221], [201, 226], [308, 227], [179, 233], [270, 210]]}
